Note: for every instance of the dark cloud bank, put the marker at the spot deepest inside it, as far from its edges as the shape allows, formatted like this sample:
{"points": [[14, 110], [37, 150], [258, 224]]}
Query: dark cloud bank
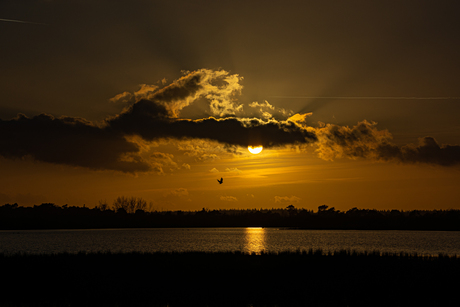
{"points": [[151, 121], [77, 142], [69, 141], [365, 141]]}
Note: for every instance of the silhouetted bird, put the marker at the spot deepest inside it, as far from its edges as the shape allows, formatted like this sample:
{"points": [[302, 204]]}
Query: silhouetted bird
{"points": [[220, 181]]}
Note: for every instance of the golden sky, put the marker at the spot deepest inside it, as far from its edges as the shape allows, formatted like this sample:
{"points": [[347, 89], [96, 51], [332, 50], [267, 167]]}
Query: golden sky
{"points": [[356, 103]]}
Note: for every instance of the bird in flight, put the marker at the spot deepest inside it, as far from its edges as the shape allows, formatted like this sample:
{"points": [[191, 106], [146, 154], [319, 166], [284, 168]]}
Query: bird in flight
{"points": [[220, 181]]}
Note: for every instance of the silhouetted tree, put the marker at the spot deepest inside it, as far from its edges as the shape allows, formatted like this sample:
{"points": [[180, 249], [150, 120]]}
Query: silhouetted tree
{"points": [[130, 205], [103, 205]]}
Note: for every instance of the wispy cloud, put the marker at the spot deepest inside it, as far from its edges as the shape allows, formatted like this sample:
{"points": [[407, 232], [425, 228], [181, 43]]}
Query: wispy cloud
{"points": [[228, 198], [287, 199], [233, 170]]}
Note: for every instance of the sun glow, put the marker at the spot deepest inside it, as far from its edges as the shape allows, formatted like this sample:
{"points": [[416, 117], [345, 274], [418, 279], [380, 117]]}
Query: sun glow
{"points": [[255, 149]]}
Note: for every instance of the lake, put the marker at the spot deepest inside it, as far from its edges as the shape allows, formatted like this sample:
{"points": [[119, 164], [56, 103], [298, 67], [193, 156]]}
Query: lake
{"points": [[227, 239]]}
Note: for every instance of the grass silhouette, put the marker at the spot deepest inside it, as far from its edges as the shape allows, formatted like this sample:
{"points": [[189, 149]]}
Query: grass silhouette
{"points": [[300, 278]]}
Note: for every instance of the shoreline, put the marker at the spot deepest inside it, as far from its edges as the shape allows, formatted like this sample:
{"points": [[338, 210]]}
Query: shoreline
{"points": [[227, 226]]}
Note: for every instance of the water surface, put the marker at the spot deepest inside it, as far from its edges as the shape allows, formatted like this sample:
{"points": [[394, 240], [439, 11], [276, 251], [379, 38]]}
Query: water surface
{"points": [[227, 239]]}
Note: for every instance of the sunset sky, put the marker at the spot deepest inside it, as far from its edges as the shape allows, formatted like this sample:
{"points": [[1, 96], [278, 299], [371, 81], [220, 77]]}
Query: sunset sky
{"points": [[356, 103]]}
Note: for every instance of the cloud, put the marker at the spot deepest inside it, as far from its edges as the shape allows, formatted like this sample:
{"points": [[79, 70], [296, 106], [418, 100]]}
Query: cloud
{"points": [[118, 142], [300, 119], [228, 198], [151, 121], [204, 149], [233, 170], [145, 91], [69, 141], [359, 141], [124, 98], [287, 199], [265, 104], [160, 160], [208, 157], [178, 192], [218, 87], [214, 170], [267, 111], [130, 98], [122, 141], [364, 140], [427, 151]]}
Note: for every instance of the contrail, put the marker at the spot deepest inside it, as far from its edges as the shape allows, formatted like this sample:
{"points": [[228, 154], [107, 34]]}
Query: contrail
{"points": [[369, 97], [21, 21]]}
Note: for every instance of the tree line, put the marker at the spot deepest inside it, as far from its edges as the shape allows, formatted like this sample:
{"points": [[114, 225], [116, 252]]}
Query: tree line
{"points": [[129, 212]]}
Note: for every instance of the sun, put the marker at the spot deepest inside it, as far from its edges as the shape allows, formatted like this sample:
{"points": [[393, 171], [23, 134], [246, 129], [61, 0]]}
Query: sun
{"points": [[255, 149]]}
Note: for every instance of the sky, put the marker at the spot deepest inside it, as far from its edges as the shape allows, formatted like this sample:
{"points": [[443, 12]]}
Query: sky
{"points": [[355, 103]]}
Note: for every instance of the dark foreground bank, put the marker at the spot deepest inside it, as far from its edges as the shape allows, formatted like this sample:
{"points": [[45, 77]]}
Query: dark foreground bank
{"points": [[307, 278]]}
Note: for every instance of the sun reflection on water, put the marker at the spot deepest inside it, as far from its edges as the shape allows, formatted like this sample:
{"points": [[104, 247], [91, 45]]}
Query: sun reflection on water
{"points": [[255, 240]]}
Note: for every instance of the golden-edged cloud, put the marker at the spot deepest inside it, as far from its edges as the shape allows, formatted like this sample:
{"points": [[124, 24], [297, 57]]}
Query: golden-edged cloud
{"points": [[364, 140], [123, 142], [219, 87]]}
